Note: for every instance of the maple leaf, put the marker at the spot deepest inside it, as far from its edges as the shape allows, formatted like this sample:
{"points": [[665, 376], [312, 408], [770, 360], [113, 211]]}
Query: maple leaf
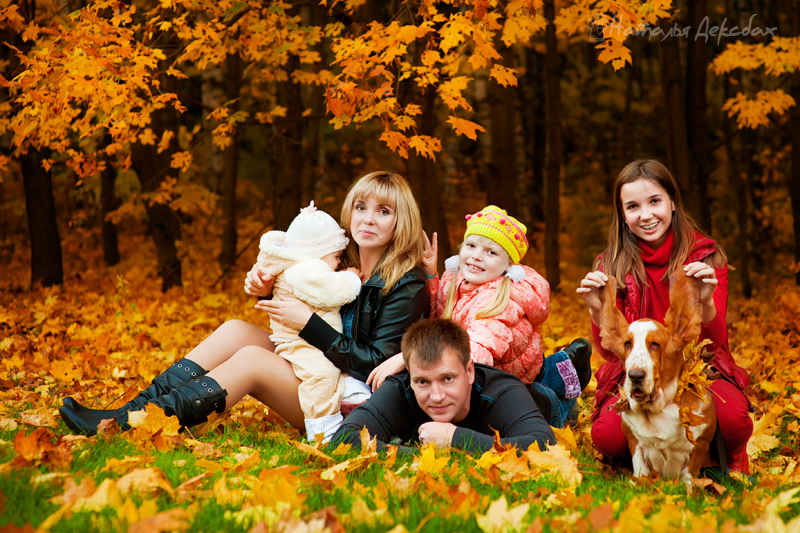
{"points": [[504, 76], [313, 451], [428, 462], [152, 419], [555, 459], [34, 445], [762, 439], [106, 495], [170, 520], [368, 445], [499, 518], [565, 437], [465, 127], [425, 145], [396, 141], [147, 481], [614, 52], [752, 113]]}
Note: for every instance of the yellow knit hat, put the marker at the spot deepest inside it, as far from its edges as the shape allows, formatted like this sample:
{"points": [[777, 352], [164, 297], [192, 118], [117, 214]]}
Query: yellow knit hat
{"points": [[495, 224]]}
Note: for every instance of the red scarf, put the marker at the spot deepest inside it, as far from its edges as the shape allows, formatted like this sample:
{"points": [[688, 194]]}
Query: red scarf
{"points": [[653, 301]]}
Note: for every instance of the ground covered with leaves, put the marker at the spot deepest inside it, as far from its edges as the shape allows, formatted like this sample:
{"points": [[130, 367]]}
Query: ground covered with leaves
{"points": [[108, 331]]}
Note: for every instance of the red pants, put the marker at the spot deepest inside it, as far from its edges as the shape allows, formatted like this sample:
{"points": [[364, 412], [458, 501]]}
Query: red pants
{"points": [[733, 415]]}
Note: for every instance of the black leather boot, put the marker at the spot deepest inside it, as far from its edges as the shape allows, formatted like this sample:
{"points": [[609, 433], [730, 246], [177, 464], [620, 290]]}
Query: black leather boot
{"points": [[84, 420], [191, 403], [580, 352]]}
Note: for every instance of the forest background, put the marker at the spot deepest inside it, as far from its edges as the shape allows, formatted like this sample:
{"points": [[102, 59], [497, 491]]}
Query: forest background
{"points": [[146, 146]]}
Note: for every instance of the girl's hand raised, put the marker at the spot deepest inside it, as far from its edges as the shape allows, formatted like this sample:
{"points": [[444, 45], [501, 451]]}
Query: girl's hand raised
{"points": [[430, 254], [706, 274], [590, 289]]}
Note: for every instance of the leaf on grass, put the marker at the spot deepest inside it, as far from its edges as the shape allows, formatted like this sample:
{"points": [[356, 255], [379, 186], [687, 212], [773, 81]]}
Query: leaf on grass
{"points": [[171, 520], [33, 445], [153, 419], [428, 462], [705, 483], [342, 448], [500, 519], [184, 490], [600, 517], [566, 437], [147, 481], [106, 495], [368, 446], [311, 450], [557, 460], [225, 496], [360, 513], [126, 464]]}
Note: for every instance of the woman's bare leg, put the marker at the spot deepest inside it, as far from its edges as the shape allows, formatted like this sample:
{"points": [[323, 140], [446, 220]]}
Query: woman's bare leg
{"points": [[226, 340], [264, 375]]}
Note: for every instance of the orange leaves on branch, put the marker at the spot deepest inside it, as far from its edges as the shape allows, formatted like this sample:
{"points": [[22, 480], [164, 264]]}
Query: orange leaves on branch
{"points": [[752, 113]]}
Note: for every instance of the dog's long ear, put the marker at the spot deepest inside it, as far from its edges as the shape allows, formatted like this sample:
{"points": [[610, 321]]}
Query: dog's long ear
{"points": [[683, 317], [613, 325]]}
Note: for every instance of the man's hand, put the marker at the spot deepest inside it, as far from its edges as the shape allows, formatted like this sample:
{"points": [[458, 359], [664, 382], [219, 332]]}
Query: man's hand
{"points": [[439, 432]]}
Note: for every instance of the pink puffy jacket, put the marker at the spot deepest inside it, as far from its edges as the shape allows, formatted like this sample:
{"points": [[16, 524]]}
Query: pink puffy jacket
{"points": [[510, 341]]}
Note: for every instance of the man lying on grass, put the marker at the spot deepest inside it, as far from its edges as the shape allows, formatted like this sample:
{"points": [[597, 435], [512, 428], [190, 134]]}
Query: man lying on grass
{"points": [[447, 399]]}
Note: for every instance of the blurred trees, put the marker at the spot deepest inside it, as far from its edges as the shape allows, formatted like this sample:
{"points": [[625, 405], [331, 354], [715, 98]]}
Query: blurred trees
{"points": [[206, 102]]}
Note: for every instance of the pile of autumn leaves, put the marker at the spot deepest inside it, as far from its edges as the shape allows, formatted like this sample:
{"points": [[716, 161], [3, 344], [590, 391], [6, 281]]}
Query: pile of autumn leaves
{"points": [[104, 336]]}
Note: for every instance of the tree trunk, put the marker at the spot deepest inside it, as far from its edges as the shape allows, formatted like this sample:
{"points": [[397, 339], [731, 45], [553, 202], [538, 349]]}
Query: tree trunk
{"points": [[153, 168], [108, 203], [674, 107], [502, 190], [535, 137], [552, 211], [40, 206], [793, 12], [696, 119], [289, 151], [760, 237], [227, 256], [741, 193], [422, 174]]}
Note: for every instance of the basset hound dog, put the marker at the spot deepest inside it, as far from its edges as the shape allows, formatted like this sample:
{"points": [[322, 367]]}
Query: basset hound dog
{"points": [[653, 358]]}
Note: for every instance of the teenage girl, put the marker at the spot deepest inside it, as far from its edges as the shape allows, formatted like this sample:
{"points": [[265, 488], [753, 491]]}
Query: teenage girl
{"points": [[651, 236]]}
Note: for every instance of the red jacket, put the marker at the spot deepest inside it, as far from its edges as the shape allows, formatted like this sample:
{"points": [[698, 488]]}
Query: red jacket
{"points": [[510, 341], [653, 303]]}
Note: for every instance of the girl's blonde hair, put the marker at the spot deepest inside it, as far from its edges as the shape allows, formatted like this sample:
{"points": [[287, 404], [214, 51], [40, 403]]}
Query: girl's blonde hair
{"points": [[499, 299], [623, 255], [406, 247]]}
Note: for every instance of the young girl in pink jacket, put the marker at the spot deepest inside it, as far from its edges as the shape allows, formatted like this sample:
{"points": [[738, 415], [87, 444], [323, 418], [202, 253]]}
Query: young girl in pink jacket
{"points": [[502, 304]]}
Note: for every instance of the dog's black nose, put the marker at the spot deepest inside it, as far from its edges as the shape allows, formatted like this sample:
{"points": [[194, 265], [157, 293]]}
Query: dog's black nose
{"points": [[636, 376]]}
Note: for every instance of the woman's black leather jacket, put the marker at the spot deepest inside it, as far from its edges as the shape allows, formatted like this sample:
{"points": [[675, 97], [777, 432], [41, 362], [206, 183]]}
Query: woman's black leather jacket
{"points": [[379, 324]]}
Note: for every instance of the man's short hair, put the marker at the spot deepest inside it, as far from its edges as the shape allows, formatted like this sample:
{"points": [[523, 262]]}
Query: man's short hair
{"points": [[427, 339]]}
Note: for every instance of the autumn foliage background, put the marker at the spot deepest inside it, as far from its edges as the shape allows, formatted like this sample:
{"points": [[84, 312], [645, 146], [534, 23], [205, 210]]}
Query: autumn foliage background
{"points": [[145, 146]]}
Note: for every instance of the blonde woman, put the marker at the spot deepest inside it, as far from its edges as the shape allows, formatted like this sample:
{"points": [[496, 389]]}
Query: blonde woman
{"points": [[382, 220]]}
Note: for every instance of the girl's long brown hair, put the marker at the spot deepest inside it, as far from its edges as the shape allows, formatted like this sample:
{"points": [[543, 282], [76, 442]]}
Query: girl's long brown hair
{"points": [[405, 250], [623, 255]]}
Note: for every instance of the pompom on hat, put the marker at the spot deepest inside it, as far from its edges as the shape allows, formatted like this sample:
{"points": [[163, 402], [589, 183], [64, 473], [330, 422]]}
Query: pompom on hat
{"points": [[495, 224], [315, 234]]}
